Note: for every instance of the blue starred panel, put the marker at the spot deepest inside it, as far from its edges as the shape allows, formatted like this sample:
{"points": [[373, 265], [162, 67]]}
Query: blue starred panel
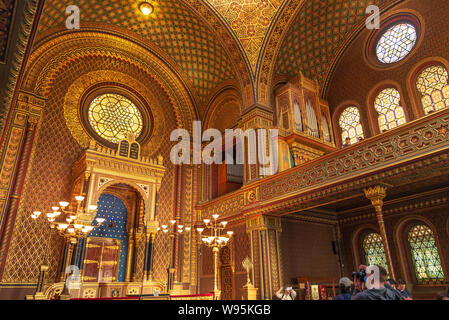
{"points": [[114, 211]]}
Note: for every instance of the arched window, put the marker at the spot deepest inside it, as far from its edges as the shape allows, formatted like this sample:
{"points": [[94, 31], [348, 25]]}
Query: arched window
{"points": [[396, 42], [424, 253], [298, 116], [312, 122], [350, 124], [387, 105], [432, 83], [374, 250]]}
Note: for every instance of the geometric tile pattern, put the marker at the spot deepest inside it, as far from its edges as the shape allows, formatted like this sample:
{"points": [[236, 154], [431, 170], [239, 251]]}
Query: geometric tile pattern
{"points": [[49, 175], [6, 13], [114, 210], [181, 34], [249, 20], [315, 36], [425, 254]]}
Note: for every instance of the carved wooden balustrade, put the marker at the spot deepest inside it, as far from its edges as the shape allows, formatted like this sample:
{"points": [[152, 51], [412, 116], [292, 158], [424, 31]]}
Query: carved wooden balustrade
{"points": [[419, 149]]}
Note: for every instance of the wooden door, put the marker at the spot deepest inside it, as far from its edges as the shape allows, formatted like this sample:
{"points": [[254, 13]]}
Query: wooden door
{"points": [[101, 262]]}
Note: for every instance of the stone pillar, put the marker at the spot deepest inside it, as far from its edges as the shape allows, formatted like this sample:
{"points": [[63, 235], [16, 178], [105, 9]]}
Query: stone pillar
{"points": [[264, 233], [377, 194], [14, 163]]}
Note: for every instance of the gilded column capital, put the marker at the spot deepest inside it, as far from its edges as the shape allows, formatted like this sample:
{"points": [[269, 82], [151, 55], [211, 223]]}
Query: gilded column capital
{"points": [[263, 222], [376, 194]]}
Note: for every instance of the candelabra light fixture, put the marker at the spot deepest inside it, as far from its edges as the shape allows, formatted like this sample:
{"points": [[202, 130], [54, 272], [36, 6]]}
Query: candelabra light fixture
{"points": [[69, 225], [173, 231], [214, 236]]}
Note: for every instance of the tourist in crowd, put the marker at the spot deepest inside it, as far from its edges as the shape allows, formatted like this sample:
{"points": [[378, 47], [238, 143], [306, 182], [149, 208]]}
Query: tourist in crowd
{"points": [[286, 293], [443, 295], [380, 293], [345, 289], [347, 142], [402, 288], [392, 285]]}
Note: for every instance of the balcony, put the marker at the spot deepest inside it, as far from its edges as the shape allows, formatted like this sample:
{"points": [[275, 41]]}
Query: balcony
{"points": [[415, 152]]}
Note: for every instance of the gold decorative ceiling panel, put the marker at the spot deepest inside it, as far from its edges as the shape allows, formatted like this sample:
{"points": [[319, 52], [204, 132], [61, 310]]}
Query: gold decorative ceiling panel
{"points": [[249, 20], [174, 27]]}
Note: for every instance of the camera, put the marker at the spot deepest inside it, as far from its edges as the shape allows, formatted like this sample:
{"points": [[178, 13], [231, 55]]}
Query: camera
{"points": [[361, 275]]}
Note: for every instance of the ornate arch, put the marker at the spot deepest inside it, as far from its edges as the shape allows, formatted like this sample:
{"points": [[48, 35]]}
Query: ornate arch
{"points": [[228, 95], [355, 241], [130, 184], [413, 75], [52, 56], [402, 249]]}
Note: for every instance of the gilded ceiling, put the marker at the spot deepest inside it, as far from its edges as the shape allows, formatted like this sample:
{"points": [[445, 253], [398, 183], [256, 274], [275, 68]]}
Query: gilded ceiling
{"points": [[213, 42], [318, 34], [249, 20], [179, 32]]}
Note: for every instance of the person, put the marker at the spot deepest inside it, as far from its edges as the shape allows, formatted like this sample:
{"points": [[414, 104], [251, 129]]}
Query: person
{"points": [[347, 142], [345, 289], [402, 288], [286, 293], [443, 295], [392, 285], [379, 293]]}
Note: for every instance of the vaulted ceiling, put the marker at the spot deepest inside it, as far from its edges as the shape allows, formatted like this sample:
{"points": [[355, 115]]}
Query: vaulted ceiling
{"points": [[211, 43], [174, 27], [319, 33]]}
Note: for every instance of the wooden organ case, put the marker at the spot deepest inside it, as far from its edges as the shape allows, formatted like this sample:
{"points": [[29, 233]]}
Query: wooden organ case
{"points": [[304, 123]]}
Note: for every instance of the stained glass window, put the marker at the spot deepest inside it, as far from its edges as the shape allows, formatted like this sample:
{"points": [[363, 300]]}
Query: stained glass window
{"points": [[374, 250], [113, 117], [432, 83], [350, 124], [425, 254], [396, 43], [387, 105]]}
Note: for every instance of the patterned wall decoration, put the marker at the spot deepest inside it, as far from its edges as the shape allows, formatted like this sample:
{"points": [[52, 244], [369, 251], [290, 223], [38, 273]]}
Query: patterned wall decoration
{"points": [[318, 33], [49, 177], [114, 211], [6, 15], [249, 20], [173, 27]]}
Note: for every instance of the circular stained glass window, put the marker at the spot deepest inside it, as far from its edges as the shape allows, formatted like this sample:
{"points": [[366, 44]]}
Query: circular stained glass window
{"points": [[396, 43], [114, 116]]}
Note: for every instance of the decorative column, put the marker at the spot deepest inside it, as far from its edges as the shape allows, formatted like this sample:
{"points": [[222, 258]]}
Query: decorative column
{"points": [[171, 269], [130, 256], [264, 233], [150, 234], [377, 194], [14, 163]]}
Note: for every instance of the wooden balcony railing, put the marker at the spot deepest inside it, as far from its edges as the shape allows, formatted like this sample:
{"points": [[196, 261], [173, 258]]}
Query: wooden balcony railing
{"points": [[421, 138]]}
